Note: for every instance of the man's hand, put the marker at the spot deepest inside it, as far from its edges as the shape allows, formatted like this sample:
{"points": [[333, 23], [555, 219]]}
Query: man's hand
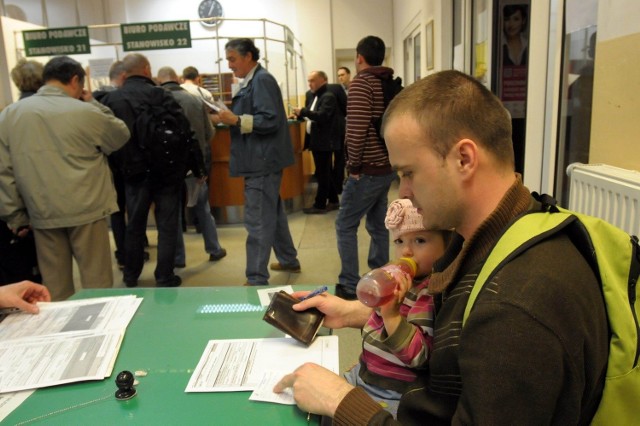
{"points": [[23, 295], [215, 119], [86, 95], [315, 389], [339, 313], [228, 118], [21, 232]]}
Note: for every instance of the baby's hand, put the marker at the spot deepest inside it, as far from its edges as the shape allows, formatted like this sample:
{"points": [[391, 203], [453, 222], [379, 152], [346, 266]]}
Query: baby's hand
{"points": [[404, 284]]}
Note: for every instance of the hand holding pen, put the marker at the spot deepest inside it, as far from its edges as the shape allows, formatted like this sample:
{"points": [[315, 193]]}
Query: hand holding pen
{"points": [[315, 292]]}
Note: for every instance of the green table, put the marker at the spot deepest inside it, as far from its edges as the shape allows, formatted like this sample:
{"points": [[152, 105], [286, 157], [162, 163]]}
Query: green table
{"points": [[165, 338]]}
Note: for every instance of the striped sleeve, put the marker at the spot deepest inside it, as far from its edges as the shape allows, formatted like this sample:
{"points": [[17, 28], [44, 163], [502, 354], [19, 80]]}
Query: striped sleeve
{"points": [[363, 149]]}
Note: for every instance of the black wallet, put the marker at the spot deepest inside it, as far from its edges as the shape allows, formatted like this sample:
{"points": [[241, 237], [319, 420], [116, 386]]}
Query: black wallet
{"points": [[302, 326]]}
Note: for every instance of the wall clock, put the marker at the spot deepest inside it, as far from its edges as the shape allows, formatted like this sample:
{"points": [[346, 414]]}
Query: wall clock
{"points": [[210, 9]]}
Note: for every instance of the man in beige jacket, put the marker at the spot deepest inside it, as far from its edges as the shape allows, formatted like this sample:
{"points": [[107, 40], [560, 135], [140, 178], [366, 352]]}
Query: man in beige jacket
{"points": [[55, 178]]}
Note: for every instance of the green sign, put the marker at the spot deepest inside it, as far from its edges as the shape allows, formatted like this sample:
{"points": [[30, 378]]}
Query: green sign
{"points": [[56, 41], [155, 35]]}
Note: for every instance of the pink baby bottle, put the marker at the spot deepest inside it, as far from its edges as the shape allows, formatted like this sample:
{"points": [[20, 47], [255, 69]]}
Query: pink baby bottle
{"points": [[376, 287]]}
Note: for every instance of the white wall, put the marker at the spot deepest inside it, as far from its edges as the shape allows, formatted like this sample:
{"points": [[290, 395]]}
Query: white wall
{"points": [[320, 26], [10, 35], [410, 14]]}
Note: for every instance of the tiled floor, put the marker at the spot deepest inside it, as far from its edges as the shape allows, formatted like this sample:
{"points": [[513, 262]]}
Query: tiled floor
{"points": [[315, 239]]}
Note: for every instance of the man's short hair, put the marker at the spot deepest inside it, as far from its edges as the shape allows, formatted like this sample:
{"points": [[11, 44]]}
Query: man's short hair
{"points": [[450, 106], [322, 75], [243, 46], [135, 64], [27, 75], [116, 69], [190, 73], [346, 69], [167, 74], [372, 49], [62, 69]]}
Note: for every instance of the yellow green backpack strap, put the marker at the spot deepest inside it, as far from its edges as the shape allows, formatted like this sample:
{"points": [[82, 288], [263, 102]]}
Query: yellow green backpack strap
{"points": [[522, 234]]}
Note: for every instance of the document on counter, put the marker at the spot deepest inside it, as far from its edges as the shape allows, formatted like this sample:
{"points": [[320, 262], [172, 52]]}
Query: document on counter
{"points": [[66, 342], [11, 401], [71, 317], [266, 294], [239, 364]]}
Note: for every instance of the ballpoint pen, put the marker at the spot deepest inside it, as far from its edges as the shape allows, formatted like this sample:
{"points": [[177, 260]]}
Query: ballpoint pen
{"points": [[6, 311], [315, 292]]}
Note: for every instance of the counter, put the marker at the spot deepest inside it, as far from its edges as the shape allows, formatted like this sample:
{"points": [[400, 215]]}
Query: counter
{"points": [[226, 193]]}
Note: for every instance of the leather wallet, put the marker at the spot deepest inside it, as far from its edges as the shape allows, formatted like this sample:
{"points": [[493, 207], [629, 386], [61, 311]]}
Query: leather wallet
{"points": [[301, 325]]}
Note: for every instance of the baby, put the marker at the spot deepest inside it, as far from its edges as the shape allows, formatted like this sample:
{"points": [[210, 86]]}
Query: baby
{"points": [[398, 336]]}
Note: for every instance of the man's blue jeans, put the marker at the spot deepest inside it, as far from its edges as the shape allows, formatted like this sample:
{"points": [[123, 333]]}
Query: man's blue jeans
{"points": [[139, 196], [267, 225], [202, 210], [364, 196]]}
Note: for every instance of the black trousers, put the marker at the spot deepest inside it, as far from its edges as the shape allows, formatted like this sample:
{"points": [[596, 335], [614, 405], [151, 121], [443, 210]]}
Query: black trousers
{"points": [[327, 191]]}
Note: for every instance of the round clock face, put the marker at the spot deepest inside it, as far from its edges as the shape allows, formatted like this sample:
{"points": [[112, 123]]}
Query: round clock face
{"points": [[210, 9]]}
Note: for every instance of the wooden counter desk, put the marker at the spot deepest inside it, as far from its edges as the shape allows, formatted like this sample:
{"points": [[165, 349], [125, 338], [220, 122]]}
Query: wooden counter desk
{"points": [[226, 193]]}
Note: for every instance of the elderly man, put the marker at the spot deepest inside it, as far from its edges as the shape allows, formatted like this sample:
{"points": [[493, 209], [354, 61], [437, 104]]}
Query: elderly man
{"points": [[55, 177], [260, 149], [325, 128]]}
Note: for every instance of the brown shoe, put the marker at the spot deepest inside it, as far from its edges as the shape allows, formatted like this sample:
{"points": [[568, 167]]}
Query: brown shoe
{"points": [[333, 206], [314, 210], [277, 266]]}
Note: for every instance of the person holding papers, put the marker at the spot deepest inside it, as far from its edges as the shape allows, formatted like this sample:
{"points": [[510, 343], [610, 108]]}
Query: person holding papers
{"points": [[260, 149], [23, 295]]}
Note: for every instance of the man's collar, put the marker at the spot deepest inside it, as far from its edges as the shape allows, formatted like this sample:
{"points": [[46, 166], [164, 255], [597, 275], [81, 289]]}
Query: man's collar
{"points": [[249, 76]]}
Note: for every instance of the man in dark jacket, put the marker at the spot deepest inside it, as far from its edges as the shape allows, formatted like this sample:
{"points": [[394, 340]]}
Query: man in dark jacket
{"points": [[143, 185], [194, 109], [260, 149], [325, 128], [338, 155], [535, 345]]}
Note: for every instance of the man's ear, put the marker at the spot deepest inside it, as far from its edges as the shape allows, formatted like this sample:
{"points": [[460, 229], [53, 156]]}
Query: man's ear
{"points": [[466, 156]]}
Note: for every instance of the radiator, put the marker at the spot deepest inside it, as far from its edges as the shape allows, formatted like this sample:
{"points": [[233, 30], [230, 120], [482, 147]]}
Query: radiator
{"points": [[607, 192]]}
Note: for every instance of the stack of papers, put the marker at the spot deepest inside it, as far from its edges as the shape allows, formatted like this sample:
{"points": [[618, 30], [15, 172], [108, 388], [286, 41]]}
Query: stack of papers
{"points": [[66, 342], [258, 364]]}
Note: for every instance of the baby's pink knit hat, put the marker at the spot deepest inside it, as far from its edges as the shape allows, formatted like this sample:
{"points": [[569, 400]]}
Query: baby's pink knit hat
{"points": [[402, 217]]}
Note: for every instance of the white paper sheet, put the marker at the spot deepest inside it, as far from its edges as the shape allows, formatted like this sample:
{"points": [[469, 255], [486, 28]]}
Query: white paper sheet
{"points": [[239, 365], [266, 294], [264, 390], [11, 401], [71, 317], [66, 342]]}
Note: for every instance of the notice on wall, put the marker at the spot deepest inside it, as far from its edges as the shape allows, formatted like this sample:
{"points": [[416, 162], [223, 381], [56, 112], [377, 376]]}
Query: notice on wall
{"points": [[56, 41], [155, 35]]}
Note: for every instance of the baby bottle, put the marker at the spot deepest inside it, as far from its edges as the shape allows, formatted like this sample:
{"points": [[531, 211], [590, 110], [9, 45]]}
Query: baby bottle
{"points": [[376, 287]]}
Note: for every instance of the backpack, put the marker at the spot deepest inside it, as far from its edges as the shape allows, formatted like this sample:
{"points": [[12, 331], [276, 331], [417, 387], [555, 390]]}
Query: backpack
{"points": [[390, 88], [615, 258], [163, 135]]}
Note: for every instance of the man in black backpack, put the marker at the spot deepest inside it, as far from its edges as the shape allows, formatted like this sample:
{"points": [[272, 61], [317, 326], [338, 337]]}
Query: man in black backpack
{"points": [[370, 175], [154, 164]]}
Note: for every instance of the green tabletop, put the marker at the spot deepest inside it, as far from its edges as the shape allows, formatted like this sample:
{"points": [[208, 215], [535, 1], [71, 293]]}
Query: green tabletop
{"points": [[166, 338]]}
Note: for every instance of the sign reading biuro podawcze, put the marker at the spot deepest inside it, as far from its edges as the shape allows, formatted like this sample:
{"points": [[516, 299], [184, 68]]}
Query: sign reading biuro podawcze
{"points": [[56, 41], [155, 35]]}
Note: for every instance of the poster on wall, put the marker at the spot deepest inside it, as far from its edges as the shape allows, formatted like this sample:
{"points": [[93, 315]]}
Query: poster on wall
{"points": [[513, 55]]}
